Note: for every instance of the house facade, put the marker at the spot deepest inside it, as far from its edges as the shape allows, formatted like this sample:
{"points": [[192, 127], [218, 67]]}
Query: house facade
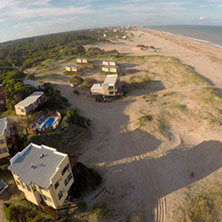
{"points": [[8, 143], [82, 60], [110, 87], [72, 68], [43, 174], [109, 63], [110, 69], [30, 103]]}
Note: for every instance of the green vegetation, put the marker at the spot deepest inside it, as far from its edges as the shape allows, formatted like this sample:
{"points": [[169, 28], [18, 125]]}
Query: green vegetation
{"points": [[26, 53], [204, 207], [23, 210], [138, 82], [70, 73], [14, 89], [76, 80], [144, 119]]}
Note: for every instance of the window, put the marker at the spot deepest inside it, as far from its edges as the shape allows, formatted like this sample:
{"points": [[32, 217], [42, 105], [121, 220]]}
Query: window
{"points": [[111, 87], [2, 141], [3, 150], [28, 187], [46, 198], [57, 184], [22, 110], [18, 183], [60, 194], [65, 169], [68, 178], [23, 185]]}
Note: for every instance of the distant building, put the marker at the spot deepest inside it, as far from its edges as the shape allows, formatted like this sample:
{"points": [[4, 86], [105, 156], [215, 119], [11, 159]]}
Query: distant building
{"points": [[109, 63], [124, 37], [35, 84], [7, 139], [110, 69], [104, 35], [30, 103], [110, 87], [43, 174], [82, 60], [72, 68], [2, 99]]}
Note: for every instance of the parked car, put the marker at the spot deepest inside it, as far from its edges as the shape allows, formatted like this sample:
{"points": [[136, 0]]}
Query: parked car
{"points": [[76, 92], [103, 99]]}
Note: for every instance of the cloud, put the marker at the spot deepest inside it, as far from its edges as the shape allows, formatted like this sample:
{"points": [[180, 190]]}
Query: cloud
{"points": [[202, 18]]}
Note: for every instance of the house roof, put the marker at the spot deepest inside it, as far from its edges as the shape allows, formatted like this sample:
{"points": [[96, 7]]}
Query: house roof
{"points": [[30, 99], [72, 66], [109, 61], [32, 83], [97, 86], [37, 164], [3, 125], [111, 79]]}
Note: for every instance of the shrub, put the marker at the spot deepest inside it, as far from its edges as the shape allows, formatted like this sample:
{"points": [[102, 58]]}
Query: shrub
{"points": [[73, 117], [76, 80], [88, 82]]}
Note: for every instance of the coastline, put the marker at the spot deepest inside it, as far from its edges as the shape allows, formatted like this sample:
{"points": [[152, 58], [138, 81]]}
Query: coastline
{"points": [[207, 42]]}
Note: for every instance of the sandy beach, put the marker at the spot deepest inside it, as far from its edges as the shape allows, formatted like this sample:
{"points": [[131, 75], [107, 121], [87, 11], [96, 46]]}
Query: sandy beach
{"points": [[147, 175]]}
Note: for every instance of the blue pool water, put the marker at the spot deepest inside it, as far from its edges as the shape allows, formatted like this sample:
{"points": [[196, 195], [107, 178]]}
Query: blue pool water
{"points": [[49, 122]]}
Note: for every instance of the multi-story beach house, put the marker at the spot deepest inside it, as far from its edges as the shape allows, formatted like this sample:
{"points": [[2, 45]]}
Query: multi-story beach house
{"points": [[82, 60], [72, 68], [30, 103], [43, 174], [110, 87]]}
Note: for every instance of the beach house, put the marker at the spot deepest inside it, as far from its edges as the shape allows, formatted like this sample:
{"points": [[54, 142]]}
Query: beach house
{"points": [[72, 68], [109, 63], [30, 103], [43, 174], [82, 60], [110, 69], [35, 84], [110, 87]]}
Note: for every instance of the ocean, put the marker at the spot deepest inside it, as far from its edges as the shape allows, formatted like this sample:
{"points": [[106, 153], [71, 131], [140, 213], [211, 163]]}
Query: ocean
{"points": [[211, 35]]}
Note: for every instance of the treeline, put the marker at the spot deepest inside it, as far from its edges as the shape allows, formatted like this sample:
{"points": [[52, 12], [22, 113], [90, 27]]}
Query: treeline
{"points": [[26, 53]]}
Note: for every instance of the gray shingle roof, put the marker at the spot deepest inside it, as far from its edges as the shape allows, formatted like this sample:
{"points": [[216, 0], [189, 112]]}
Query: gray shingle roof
{"points": [[46, 167], [3, 125]]}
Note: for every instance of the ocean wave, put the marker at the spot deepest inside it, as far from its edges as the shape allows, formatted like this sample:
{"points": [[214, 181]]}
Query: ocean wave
{"points": [[191, 38]]}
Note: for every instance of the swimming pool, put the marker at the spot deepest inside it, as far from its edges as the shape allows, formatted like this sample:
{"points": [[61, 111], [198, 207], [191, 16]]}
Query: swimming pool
{"points": [[49, 122]]}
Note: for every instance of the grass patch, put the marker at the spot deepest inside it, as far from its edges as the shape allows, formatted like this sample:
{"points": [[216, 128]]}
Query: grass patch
{"points": [[204, 207], [142, 121], [150, 98], [180, 107], [23, 210], [139, 81]]}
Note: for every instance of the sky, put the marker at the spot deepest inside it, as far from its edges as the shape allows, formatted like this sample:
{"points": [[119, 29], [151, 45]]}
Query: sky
{"points": [[25, 18]]}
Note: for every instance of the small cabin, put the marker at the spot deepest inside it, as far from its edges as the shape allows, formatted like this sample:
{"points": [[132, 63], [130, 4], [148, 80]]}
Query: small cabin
{"points": [[109, 63], [72, 68], [82, 60], [110, 69]]}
